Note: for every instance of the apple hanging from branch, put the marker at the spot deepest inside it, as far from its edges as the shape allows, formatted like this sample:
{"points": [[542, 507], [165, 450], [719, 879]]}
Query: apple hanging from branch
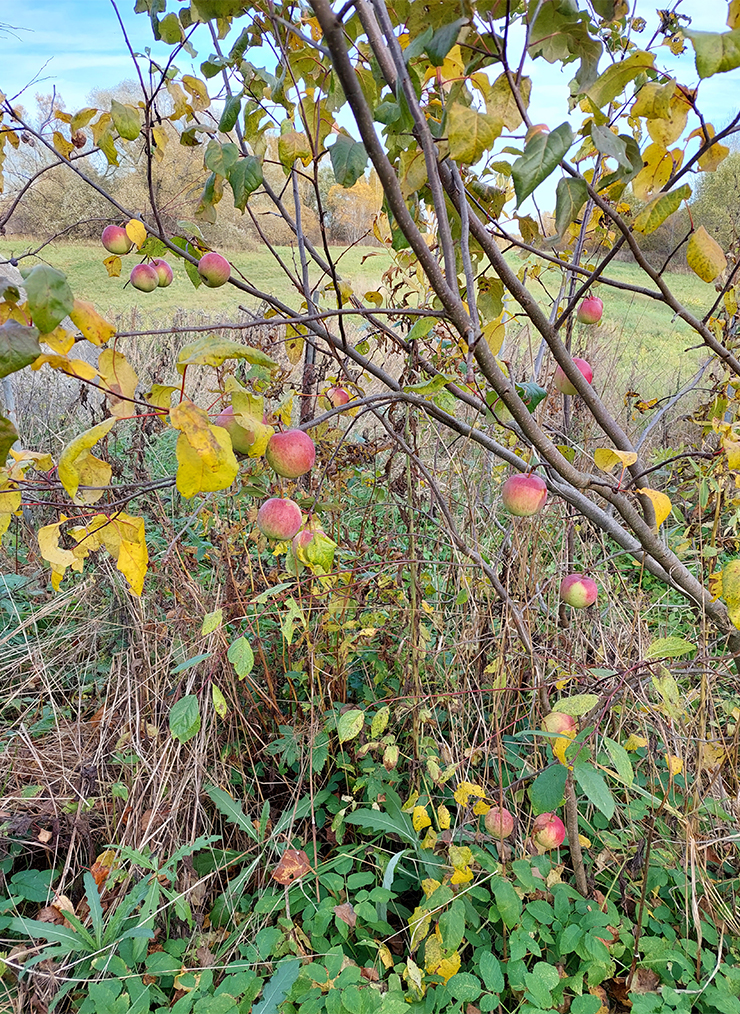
{"points": [[524, 494], [214, 269], [291, 453], [279, 518], [563, 384], [115, 240], [590, 310], [144, 277], [578, 591]]}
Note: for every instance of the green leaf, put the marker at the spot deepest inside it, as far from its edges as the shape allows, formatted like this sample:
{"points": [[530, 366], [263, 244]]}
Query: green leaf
{"points": [[212, 621], [126, 120], [659, 209], [490, 969], [579, 704], [616, 77], [241, 656], [348, 160], [32, 885], [277, 987], [594, 787], [540, 982], [231, 809], [185, 718], [379, 820], [232, 108], [669, 647], [464, 987], [443, 40], [570, 196], [620, 759], [19, 347], [586, 1004], [507, 901], [350, 725], [634, 156], [542, 155], [421, 328], [531, 394], [170, 29], [547, 790], [221, 158], [219, 701], [716, 52], [609, 143], [452, 926], [50, 298], [214, 351], [244, 179]]}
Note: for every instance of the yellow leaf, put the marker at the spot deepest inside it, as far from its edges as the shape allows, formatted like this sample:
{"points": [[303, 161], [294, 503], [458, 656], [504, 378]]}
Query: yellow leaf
{"points": [[467, 789], [605, 458], [40, 461], [294, 342], [210, 350], [733, 14], [77, 466], [494, 333], [730, 301], [462, 876], [675, 764], [480, 808], [730, 590], [666, 130], [248, 413], [119, 379], [436, 962], [560, 745], [429, 886], [704, 255], [5, 520], [160, 142], [113, 265], [711, 755], [658, 164], [62, 145], [661, 504], [219, 702], [74, 367], [58, 340], [635, 742], [124, 538], [443, 817], [654, 100], [136, 232], [385, 956], [60, 559], [715, 155], [430, 839], [470, 133], [419, 924], [198, 91], [133, 560], [161, 395], [203, 473], [91, 324], [420, 818], [584, 841]]}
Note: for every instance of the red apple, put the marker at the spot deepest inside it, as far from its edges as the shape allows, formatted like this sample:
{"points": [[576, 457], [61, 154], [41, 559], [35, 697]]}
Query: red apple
{"points": [[338, 396], [115, 239], [291, 453], [564, 385], [214, 269], [578, 591], [279, 518], [499, 822], [590, 310], [144, 277], [548, 831], [241, 439], [164, 272], [559, 723], [524, 495]]}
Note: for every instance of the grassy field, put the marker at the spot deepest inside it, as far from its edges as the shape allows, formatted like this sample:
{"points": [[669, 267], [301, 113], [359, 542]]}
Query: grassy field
{"points": [[639, 343]]}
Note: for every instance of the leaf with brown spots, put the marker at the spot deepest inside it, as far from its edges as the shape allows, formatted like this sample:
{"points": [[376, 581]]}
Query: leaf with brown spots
{"points": [[294, 864], [346, 913]]}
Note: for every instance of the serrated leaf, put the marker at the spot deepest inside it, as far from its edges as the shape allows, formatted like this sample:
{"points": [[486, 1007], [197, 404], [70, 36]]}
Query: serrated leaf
{"points": [[669, 647], [348, 160], [659, 209], [570, 196], [704, 255], [126, 120], [19, 347], [616, 77], [606, 458], [661, 504], [542, 154], [212, 621], [231, 809], [50, 298], [241, 656], [594, 786], [185, 718], [620, 759], [350, 725], [579, 704]]}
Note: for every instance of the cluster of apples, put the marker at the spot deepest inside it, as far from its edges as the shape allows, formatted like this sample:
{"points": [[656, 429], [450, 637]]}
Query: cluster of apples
{"points": [[213, 269], [548, 830], [524, 494]]}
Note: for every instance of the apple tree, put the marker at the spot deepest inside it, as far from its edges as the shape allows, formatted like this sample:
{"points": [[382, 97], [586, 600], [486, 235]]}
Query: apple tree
{"points": [[433, 98]]}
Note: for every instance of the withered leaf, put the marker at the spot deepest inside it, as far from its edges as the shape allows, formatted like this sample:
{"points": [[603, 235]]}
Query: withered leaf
{"points": [[294, 864]]}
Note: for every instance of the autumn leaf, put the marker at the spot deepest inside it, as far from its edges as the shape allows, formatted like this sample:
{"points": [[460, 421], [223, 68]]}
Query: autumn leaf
{"points": [[214, 351], [661, 504], [58, 340], [118, 379], [294, 864], [60, 559], [205, 456], [124, 537], [704, 255], [136, 232], [77, 466], [91, 324], [72, 367], [465, 790], [606, 458], [420, 818]]}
